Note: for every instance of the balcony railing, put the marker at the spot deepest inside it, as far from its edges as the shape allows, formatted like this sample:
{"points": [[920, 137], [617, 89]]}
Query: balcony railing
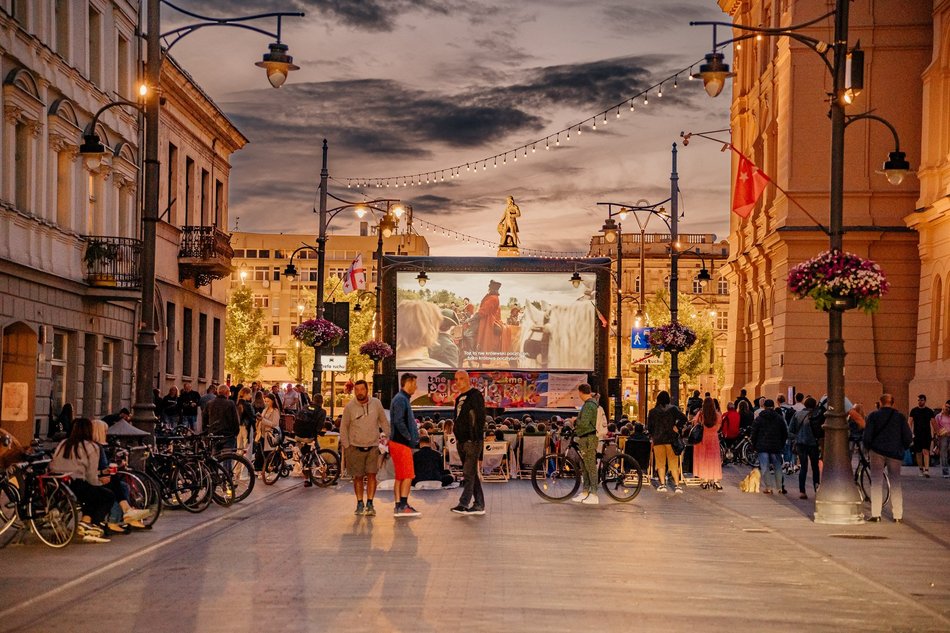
{"points": [[204, 255], [113, 262]]}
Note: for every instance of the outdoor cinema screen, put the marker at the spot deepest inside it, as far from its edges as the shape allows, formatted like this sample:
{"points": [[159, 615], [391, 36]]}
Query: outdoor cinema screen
{"points": [[499, 320]]}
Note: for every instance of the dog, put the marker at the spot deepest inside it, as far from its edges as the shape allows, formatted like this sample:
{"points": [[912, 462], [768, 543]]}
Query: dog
{"points": [[751, 482]]}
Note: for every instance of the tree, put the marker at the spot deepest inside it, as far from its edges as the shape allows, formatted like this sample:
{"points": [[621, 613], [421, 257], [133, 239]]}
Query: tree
{"points": [[246, 340], [694, 362]]}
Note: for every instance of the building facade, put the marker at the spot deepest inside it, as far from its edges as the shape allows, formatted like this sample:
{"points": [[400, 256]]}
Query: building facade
{"points": [[259, 262], [931, 220], [779, 120], [710, 300]]}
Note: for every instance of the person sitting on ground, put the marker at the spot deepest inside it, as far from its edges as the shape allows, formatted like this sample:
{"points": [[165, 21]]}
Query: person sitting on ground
{"points": [[78, 457], [122, 515], [531, 429], [542, 428], [429, 464]]}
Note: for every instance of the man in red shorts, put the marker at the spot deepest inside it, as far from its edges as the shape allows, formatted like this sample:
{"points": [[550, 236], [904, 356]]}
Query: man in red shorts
{"points": [[403, 437]]}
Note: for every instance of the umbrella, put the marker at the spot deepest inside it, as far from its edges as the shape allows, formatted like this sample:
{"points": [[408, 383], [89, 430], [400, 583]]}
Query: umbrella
{"points": [[124, 429]]}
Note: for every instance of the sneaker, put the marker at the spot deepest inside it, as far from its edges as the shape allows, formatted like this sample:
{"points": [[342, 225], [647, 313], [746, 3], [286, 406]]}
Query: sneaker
{"points": [[592, 499], [898, 520], [873, 519], [661, 488], [460, 509], [359, 509], [678, 490], [370, 511], [307, 483], [580, 496], [136, 515], [89, 529], [802, 496], [91, 538], [116, 528], [477, 510], [406, 511]]}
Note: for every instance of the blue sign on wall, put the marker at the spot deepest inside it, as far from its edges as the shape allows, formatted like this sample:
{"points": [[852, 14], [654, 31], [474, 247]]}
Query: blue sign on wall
{"points": [[638, 338]]}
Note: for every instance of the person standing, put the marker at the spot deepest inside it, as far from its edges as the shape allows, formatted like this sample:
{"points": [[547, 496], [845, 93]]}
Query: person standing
{"points": [[664, 423], [275, 390], [769, 433], [585, 432], [942, 433], [707, 459], [922, 415], [291, 399], [694, 403], [363, 419], [223, 418], [886, 436], [470, 436], [743, 398], [171, 412], [403, 437], [304, 398], [308, 424], [806, 445], [188, 406]]}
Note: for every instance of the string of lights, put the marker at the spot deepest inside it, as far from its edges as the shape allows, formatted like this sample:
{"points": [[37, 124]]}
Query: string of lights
{"points": [[462, 237], [551, 141]]}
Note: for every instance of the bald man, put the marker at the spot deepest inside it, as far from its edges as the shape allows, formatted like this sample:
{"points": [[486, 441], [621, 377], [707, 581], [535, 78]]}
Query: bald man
{"points": [[886, 436], [469, 434]]}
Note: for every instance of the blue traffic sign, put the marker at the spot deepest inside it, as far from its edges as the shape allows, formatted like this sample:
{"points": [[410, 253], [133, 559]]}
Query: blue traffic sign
{"points": [[639, 338]]}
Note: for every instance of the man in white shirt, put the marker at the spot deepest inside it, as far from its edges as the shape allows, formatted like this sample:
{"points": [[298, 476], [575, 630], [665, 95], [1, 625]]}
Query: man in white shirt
{"points": [[363, 418], [290, 399]]}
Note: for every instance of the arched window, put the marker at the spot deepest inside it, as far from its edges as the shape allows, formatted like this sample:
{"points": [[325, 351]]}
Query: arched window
{"points": [[936, 318]]}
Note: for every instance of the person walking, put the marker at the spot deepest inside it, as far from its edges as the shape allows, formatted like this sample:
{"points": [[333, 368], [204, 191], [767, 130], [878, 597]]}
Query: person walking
{"points": [[403, 437], [806, 446], [363, 419], [223, 419], [188, 406], [664, 423], [923, 416], [769, 433], [248, 419], [941, 426], [707, 459], [886, 436], [470, 436]]}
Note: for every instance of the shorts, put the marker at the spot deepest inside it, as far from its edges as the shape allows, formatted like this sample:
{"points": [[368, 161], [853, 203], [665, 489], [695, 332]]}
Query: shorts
{"points": [[402, 460], [360, 463]]}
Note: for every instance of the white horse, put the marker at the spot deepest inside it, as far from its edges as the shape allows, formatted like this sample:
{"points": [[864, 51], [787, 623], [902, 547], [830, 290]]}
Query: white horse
{"points": [[558, 336]]}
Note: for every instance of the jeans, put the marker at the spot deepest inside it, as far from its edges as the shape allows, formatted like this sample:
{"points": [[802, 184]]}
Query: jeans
{"points": [[588, 448], [808, 454], [878, 464], [944, 447], [191, 421], [776, 460], [788, 455], [470, 451]]}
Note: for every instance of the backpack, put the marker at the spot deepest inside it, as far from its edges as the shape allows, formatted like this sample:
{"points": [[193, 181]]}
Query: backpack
{"points": [[816, 420], [601, 423]]}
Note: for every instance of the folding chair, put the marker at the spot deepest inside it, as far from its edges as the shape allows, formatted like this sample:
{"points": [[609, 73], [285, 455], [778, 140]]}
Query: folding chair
{"points": [[514, 446], [495, 461], [533, 447], [438, 441], [453, 459]]}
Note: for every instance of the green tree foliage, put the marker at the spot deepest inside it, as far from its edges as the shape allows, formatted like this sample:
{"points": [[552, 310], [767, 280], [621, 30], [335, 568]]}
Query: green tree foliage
{"points": [[694, 361], [246, 340]]}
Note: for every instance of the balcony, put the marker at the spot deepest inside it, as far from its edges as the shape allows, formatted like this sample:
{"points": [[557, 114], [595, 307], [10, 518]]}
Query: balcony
{"points": [[113, 267], [205, 254]]}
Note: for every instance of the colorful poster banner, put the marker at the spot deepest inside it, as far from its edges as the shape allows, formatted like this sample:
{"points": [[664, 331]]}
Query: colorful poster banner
{"points": [[504, 389]]}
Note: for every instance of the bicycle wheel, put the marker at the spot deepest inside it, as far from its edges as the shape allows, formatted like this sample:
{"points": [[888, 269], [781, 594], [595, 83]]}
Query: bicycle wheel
{"points": [[887, 490], [193, 486], [325, 470], [223, 491], [622, 477], [153, 501], [749, 456], [555, 477], [58, 520], [242, 474], [864, 481], [9, 498], [273, 464]]}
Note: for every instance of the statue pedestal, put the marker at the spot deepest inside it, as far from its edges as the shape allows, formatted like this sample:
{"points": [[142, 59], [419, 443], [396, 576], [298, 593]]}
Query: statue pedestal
{"points": [[508, 251]]}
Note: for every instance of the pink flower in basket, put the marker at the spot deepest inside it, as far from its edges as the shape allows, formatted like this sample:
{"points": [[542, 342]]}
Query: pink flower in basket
{"points": [[839, 280], [376, 350], [318, 332], [672, 337]]}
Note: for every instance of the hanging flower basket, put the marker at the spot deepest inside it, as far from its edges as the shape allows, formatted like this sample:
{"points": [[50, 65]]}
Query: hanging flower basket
{"points": [[839, 281], [376, 350], [318, 332], [672, 337]]}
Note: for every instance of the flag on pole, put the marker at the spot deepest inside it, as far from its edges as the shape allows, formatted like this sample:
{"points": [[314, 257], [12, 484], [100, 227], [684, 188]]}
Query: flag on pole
{"points": [[355, 278], [750, 183]]}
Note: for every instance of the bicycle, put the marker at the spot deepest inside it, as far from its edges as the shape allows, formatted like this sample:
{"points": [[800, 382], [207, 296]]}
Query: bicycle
{"points": [[323, 463], [32, 496], [556, 477], [862, 477]]}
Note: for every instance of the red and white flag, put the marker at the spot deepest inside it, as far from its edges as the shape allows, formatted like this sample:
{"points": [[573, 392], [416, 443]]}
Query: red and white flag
{"points": [[355, 276], [749, 185]]}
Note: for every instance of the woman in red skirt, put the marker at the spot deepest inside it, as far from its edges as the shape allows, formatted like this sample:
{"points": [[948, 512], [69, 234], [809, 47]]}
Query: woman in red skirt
{"points": [[707, 461]]}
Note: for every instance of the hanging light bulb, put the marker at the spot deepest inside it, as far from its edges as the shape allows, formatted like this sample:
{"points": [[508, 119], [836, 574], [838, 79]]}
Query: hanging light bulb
{"points": [[593, 125], [484, 166], [646, 98], [618, 113], [467, 167], [675, 78], [659, 93], [547, 145], [557, 140], [496, 162], [526, 151], [739, 46], [631, 105], [516, 156], [689, 75], [533, 149], [579, 130], [605, 118]]}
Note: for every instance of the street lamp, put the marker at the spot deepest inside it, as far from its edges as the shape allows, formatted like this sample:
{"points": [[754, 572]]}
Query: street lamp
{"points": [[703, 276], [838, 500]]}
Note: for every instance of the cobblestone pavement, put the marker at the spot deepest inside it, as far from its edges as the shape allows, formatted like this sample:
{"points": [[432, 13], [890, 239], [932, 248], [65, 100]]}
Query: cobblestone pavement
{"points": [[296, 559]]}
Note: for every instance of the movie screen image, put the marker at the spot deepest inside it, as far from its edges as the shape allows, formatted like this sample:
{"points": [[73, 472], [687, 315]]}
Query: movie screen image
{"points": [[515, 321]]}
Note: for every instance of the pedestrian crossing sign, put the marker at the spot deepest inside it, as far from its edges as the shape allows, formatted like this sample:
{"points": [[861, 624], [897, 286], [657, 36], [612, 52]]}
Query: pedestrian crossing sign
{"points": [[639, 338]]}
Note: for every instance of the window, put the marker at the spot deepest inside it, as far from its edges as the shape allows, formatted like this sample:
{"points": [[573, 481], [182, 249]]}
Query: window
{"points": [[636, 284], [261, 301], [280, 359], [189, 191], [58, 376], [280, 254], [186, 344], [218, 203], [263, 254], [722, 286], [276, 274], [251, 253], [172, 200], [95, 46], [105, 394], [202, 345], [61, 11], [93, 194], [64, 188], [205, 198], [275, 329], [238, 252], [170, 334], [123, 83], [936, 318], [260, 273], [21, 166], [216, 350], [697, 285], [20, 12], [722, 321], [666, 283]]}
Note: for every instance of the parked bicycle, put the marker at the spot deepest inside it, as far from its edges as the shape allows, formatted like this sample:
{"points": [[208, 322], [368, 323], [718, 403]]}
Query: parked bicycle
{"points": [[323, 463], [739, 450], [557, 476], [862, 477]]}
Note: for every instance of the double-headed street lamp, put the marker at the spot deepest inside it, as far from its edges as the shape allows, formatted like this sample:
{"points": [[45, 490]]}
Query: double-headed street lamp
{"points": [[277, 64], [838, 500]]}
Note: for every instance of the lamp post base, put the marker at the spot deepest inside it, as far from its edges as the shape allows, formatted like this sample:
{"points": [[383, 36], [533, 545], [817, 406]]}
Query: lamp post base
{"points": [[839, 512]]}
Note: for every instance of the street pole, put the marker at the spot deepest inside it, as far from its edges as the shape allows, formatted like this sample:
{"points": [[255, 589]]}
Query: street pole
{"points": [[618, 395], [837, 501], [317, 387], [674, 277], [377, 321], [642, 368], [144, 407]]}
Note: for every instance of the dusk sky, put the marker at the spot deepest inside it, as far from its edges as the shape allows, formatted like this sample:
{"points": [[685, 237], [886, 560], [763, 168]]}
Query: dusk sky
{"points": [[411, 86]]}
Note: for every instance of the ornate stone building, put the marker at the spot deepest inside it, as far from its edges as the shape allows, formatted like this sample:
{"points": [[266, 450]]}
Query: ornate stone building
{"points": [[779, 119]]}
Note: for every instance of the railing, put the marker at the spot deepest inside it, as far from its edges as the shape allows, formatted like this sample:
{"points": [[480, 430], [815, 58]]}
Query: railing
{"points": [[205, 242], [113, 262]]}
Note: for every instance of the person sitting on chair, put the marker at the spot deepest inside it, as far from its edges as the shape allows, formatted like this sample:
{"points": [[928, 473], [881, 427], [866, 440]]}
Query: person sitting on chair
{"points": [[429, 465]]}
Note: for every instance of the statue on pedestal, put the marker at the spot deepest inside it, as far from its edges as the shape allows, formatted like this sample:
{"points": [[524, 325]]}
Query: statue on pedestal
{"points": [[508, 227]]}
